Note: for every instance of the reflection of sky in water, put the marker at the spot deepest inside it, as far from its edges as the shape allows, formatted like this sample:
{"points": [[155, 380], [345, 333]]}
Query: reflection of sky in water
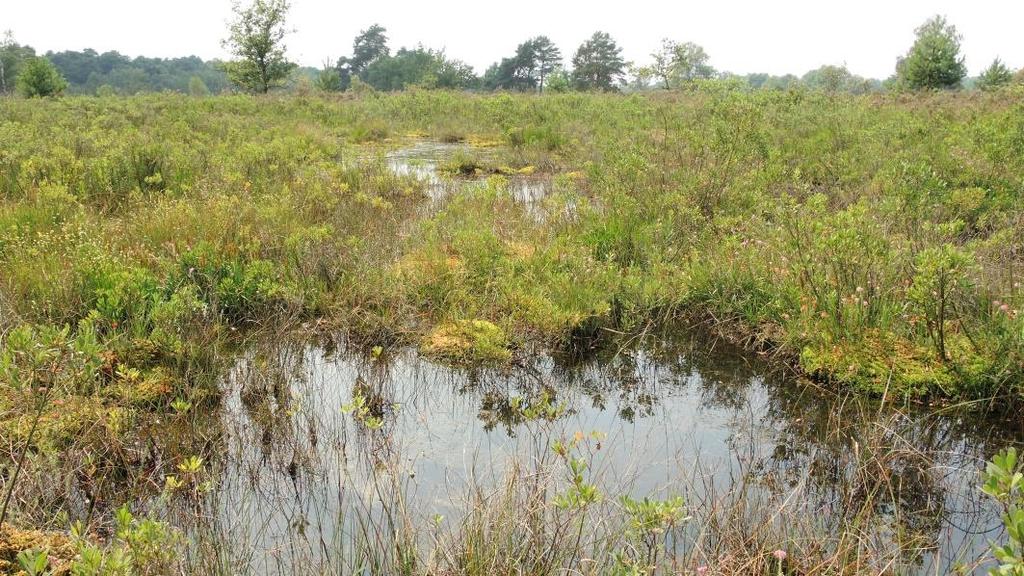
{"points": [[422, 159], [666, 421]]}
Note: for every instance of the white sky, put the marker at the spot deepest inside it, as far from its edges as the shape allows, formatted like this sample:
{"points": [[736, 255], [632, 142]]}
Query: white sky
{"points": [[740, 35]]}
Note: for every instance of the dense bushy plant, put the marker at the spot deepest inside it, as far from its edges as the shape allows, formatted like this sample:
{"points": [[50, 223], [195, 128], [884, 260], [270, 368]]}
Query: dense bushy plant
{"points": [[39, 77]]}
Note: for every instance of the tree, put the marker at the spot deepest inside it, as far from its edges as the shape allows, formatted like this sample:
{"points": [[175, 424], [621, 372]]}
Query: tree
{"points": [[527, 70], [934, 61], [369, 46], [995, 76], [256, 40], [547, 58], [642, 76], [12, 56], [86, 71], [662, 66], [418, 67], [559, 81], [679, 64], [76, 66], [832, 79], [598, 63], [198, 88], [329, 79], [691, 63], [39, 77], [453, 73], [406, 68], [769, 82], [509, 74]]}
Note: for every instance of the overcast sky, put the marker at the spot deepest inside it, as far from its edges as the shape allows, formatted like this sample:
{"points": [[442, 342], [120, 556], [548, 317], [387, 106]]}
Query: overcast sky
{"points": [[740, 36]]}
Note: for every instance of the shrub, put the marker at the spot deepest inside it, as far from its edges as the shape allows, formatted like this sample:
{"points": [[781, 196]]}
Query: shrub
{"points": [[1003, 480], [39, 77]]}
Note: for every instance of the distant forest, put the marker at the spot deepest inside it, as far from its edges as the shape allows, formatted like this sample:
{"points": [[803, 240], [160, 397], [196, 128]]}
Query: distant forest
{"points": [[88, 71], [91, 72], [537, 65]]}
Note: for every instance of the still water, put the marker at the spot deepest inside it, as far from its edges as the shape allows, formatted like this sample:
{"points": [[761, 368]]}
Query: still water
{"points": [[687, 418], [424, 159]]}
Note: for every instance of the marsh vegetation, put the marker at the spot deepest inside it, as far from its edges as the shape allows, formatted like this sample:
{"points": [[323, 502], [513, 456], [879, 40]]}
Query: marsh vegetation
{"points": [[716, 331]]}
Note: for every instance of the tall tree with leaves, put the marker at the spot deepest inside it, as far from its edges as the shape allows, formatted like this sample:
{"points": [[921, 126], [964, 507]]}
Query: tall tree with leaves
{"points": [[934, 61], [691, 63], [514, 73], [452, 73], [547, 58], [598, 63], [39, 77], [832, 79], [527, 70], [661, 68], [995, 76], [256, 39], [12, 56], [369, 46], [678, 64]]}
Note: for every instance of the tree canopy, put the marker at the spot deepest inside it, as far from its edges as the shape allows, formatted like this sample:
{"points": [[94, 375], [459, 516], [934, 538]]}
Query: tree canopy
{"points": [[598, 64], [87, 71], [12, 56], [830, 78], [547, 58], [995, 76], [369, 46], [528, 69], [934, 61], [418, 67], [256, 39], [39, 77], [678, 64]]}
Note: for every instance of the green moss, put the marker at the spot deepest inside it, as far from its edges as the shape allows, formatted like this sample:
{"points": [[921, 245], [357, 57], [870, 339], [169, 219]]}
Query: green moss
{"points": [[467, 341], [881, 365]]}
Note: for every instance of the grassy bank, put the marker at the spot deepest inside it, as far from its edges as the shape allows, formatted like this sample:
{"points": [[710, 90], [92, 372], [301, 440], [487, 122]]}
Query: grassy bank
{"points": [[876, 241]]}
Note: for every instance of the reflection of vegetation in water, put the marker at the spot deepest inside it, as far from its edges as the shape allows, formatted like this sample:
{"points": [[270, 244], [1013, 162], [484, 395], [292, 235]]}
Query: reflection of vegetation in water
{"points": [[886, 478], [514, 411]]}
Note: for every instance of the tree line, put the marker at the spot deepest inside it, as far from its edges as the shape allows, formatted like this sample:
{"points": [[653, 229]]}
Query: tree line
{"points": [[260, 64]]}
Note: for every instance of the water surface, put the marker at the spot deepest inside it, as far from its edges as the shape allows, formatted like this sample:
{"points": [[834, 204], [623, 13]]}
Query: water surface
{"points": [[672, 419]]}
